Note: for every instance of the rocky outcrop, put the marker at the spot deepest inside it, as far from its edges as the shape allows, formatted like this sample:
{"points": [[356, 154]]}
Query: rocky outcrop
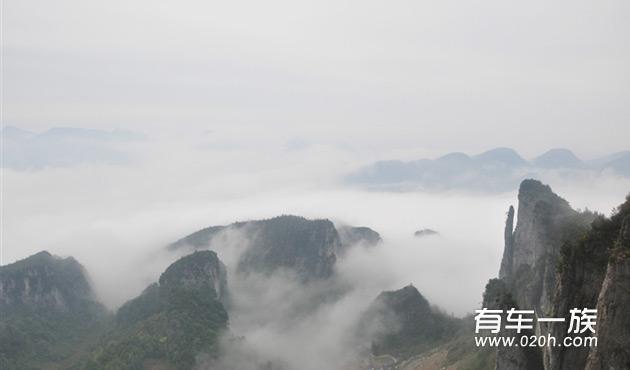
{"points": [[613, 348], [545, 223], [558, 259], [199, 271], [540, 214], [171, 322], [529, 261], [508, 250], [350, 236], [43, 282], [425, 232], [497, 296], [306, 247], [48, 311], [591, 275]]}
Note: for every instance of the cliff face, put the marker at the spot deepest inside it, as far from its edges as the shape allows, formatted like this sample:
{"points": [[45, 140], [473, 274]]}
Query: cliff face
{"points": [[44, 282], [591, 274], [497, 296], [508, 250], [613, 350], [307, 247], [545, 222], [199, 271], [48, 309], [555, 260]]}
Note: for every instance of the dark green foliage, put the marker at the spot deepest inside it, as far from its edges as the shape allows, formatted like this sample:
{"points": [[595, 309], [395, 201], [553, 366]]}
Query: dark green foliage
{"points": [[170, 323], [46, 342], [308, 246], [48, 312], [44, 282], [595, 247], [622, 244], [497, 295], [305, 246], [174, 337], [146, 304], [406, 324], [196, 272]]}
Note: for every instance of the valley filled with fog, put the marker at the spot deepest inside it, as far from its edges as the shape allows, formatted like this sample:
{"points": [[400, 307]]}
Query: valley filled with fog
{"points": [[116, 219]]}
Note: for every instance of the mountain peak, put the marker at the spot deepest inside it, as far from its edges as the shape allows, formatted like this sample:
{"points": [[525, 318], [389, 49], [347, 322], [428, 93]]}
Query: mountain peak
{"points": [[307, 247], [45, 282], [532, 191], [198, 270], [558, 158], [403, 322], [170, 323], [454, 157], [503, 155], [405, 297]]}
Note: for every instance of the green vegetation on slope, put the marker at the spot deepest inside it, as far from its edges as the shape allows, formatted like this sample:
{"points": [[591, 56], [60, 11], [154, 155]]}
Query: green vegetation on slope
{"points": [[170, 323], [406, 324], [48, 312]]}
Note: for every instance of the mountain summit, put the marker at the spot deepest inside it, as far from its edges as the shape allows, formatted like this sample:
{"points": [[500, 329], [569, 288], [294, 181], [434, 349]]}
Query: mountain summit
{"points": [[558, 159], [306, 247], [46, 301], [556, 259]]}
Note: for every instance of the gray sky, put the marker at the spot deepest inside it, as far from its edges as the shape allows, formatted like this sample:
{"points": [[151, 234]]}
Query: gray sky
{"points": [[420, 76]]}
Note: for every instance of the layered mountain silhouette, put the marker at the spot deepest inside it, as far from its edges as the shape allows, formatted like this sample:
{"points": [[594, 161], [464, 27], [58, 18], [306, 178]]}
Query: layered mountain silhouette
{"points": [[555, 258], [496, 170]]}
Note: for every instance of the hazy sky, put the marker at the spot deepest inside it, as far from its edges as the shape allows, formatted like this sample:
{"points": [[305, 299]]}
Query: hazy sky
{"points": [[391, 77]]}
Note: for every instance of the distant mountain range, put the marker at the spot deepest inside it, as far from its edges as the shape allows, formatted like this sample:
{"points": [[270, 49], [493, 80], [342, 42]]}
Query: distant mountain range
{"points": [[63, 147], [496, 170]]}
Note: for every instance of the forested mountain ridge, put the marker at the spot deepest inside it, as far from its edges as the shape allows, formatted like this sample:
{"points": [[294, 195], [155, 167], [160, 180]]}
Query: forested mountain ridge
{"points": [[307, 247], [48, 311], [171, 322]]}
